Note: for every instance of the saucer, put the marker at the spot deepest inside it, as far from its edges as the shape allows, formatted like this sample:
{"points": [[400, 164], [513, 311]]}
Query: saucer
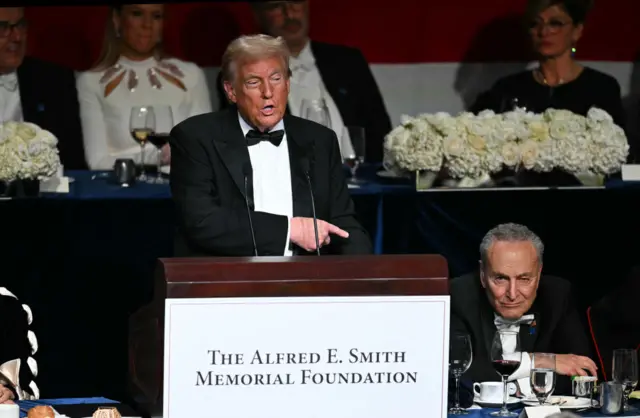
{"points": [[512, 401]]}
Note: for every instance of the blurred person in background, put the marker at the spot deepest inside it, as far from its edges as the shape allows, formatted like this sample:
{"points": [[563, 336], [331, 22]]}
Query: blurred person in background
{"points": [[32, 90], [338, 74], [560, 82], [555, 27], [133, 70]]}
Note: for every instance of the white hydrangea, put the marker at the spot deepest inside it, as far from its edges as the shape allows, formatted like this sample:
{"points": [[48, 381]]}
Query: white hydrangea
{"points": [[473, 146], [27, 152]]}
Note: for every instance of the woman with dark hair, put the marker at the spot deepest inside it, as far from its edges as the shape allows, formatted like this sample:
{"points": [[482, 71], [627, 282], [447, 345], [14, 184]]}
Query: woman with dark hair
{"points": [[559, 81], [133, 70], [18, 344]]}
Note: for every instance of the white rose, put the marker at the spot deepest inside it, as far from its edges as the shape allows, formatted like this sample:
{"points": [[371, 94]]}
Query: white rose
{"points": [[529, 154], [510, 154]]}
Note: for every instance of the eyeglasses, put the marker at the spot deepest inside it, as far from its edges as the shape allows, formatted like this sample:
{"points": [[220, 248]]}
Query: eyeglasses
{"points": [[6, 28], [553, 25]]}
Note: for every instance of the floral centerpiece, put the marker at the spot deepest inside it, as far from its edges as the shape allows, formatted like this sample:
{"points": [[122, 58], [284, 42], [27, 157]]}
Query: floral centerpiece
{"points": [[27, 153], [472, 147]]}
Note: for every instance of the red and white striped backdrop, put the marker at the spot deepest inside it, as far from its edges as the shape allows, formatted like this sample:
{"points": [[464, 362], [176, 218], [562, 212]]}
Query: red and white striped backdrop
{"points": [[426, 55]]}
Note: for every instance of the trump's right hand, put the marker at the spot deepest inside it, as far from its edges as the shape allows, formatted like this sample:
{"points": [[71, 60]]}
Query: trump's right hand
{"points": [[302, 233]]}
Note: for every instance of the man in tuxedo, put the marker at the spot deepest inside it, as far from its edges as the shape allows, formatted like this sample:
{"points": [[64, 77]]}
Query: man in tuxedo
{"points": [[36, 91], [243, 178], [510, 293], [338, 74]]}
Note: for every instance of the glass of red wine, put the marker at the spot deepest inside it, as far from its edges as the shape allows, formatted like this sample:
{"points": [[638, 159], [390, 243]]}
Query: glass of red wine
{"points": [[505, 357], [159, 137]]}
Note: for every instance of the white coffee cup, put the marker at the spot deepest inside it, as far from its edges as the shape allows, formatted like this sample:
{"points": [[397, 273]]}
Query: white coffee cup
{"points": [[9, 411], [492, 392]]}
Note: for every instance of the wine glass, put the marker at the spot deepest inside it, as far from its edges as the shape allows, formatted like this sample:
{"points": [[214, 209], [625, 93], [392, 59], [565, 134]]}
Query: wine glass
{"points": [[505, 357], [543, 375], [625, 372], [142, 123], [316, 110], [460, 359], [160, 136], [353, 145]]}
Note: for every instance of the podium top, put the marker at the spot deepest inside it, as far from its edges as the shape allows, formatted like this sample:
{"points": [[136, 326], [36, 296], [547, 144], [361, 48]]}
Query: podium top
{"points": [[303, 276]]}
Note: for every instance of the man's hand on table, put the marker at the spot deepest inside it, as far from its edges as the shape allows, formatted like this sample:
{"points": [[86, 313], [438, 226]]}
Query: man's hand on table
{"points": [[573, 365]]}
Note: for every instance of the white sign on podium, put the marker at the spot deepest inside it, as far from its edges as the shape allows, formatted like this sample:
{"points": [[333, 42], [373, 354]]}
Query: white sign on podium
{"points": [[338, 357]]}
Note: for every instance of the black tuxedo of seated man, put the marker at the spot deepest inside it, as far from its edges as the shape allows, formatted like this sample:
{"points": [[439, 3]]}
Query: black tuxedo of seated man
{"points": [[510, 293], [208, 153]]}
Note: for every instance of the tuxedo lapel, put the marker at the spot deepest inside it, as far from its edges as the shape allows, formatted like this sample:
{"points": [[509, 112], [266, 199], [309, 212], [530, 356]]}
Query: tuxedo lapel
{"points": [[487, 322], [299, 148], [28, 94], [233, 149], [333, 78]]}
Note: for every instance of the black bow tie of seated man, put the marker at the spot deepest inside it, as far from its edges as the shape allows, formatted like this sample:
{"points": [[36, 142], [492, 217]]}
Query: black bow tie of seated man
{"points": [[255, 137]]}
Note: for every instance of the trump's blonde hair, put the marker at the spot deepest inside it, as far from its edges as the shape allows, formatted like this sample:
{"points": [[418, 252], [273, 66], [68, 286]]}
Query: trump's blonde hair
{"points": [[251, 48]]}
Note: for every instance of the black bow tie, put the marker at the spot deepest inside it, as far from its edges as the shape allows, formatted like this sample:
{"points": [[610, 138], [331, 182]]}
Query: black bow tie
{"points": [[275, 137]]}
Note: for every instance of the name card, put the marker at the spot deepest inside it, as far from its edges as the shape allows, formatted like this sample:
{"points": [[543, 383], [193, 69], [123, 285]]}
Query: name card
{"points": [[339, 357], [539, 411]]}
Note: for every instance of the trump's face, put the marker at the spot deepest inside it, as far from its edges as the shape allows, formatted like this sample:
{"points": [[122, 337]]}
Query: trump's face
{"points": [[260, 90], [511, 277]]}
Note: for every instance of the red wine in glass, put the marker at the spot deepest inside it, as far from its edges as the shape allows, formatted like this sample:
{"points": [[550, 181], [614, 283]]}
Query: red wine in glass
{"points": [[506, 367], [159, 140]]}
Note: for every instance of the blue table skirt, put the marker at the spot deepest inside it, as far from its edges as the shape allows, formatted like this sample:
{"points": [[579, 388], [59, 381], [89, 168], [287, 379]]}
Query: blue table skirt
{"points": [[473, 413]]}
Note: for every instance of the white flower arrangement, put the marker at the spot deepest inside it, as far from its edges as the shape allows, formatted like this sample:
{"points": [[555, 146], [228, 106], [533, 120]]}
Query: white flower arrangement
{"points": [[27, 152], [474, 146]]}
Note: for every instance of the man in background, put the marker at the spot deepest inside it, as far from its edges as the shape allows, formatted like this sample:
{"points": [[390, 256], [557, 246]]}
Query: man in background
{"points": [[338, 74], [36, 91]]}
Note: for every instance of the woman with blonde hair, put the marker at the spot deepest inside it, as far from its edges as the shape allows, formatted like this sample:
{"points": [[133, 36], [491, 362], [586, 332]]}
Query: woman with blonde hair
{"points": [[133, 70]]}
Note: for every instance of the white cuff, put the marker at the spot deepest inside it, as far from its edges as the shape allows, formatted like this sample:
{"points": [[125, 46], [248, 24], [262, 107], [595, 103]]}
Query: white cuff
{"points": [[287, 242], [524, 371]]}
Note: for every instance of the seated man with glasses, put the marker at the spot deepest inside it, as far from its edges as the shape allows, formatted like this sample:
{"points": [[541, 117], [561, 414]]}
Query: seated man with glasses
{"points": [[37, 91], [509, 293]]}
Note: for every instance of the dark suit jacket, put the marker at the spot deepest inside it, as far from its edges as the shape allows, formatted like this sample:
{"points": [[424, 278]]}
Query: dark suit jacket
{"points": [[557, 328], [13, 334], [50, 100], [208, 153], [615, 322], [350, 83]]}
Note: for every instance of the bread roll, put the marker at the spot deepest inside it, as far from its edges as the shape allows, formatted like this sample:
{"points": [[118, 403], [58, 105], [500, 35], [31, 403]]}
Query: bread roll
{"points": [[41, 411], [107, 413]]}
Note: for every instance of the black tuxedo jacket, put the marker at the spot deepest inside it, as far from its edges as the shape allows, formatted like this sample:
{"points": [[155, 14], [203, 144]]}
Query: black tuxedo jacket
{"points": [[50, 100], [350, 83], [208, 153], [557, 327]]}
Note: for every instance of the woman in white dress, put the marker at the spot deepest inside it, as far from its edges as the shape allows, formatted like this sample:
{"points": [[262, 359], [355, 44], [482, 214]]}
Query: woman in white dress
{"points": [[134, 71]]}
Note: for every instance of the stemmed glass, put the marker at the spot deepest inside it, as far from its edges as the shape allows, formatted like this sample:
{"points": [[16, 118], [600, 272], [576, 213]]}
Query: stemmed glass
{"points": [[460, 359], [316, 110], [160, 136], [625, 372], [505, 357], [353, 145], [142, 123], [543, 375]]}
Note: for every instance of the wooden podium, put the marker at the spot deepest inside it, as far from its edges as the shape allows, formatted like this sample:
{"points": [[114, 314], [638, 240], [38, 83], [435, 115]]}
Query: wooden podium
{"points": [[380, 275]]}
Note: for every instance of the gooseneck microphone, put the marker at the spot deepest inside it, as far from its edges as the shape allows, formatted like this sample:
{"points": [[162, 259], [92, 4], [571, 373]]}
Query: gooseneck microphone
{"points": [[246, 170], [305, 169]]}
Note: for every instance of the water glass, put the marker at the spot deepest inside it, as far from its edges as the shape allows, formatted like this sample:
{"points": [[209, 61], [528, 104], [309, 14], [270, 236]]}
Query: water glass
{"points": [[460, 359], [625, 372], [317, 111], [543, 375]]}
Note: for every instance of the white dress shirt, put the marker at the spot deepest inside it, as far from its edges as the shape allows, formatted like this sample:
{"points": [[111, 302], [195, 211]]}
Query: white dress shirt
{"points": [[10, 104], [522, 374], [105, 120], [306, 84], [271, 177]]}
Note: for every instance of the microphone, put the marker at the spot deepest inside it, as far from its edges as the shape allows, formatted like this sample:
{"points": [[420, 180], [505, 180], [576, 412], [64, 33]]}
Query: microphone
{"points": [[305, 169], [246, 169]]}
